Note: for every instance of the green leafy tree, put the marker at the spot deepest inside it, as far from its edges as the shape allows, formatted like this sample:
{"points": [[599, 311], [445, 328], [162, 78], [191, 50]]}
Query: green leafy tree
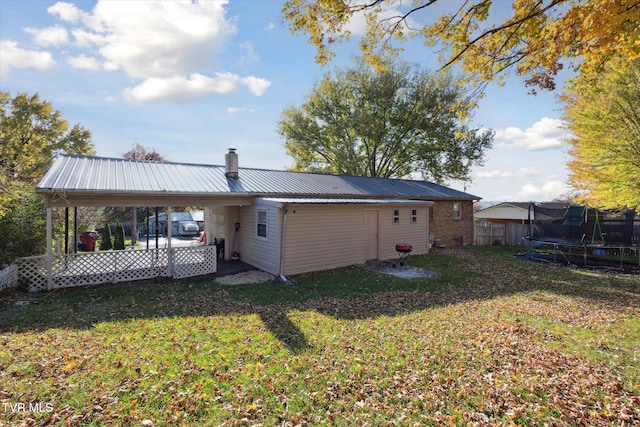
{"points": [[385, 124], [31, 130], [23, 226], [106, 242], [604, 117], [537, 39]]}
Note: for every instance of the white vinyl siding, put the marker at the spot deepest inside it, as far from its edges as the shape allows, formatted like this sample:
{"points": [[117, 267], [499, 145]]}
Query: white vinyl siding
{"points": [[261, 252], [414, 233], [321, 237], [214, 220], [325, 236]]}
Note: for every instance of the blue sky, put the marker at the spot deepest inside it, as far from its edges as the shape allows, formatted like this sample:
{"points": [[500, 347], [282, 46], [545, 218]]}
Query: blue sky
{"points": [[193, 78]]}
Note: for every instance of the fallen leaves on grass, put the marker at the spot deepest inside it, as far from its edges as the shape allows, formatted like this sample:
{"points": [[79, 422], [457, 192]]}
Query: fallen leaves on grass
{"points": [[486, 352]]}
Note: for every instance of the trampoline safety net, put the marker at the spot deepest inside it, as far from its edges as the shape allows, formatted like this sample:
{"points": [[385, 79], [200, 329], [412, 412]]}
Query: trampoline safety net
{"points": [[583, 225]]}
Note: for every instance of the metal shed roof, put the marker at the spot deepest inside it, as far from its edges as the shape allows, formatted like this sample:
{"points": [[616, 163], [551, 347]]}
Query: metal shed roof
{"points": [[321, 201], [73, 174]]}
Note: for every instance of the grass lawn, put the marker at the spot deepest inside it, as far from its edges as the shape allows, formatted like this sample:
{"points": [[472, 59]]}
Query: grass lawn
{"points": [[491, 340]]}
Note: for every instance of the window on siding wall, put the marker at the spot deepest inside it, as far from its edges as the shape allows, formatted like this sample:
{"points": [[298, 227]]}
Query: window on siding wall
{"points": [[396, 216], [457, 210], [414, 215], [262, 222]]}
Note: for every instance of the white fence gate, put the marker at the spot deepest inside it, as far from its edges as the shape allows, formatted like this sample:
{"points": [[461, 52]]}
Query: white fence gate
{"points": [[93, 268]]}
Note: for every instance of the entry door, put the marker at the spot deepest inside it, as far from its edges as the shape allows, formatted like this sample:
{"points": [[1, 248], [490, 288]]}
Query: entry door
{"points": [[371, 234]]}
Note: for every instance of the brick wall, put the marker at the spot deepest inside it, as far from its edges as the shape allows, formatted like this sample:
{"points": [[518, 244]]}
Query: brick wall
{"points": [[448, 230]]}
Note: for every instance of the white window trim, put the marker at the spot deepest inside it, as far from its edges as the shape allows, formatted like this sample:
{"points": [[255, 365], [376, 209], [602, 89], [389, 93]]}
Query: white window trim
{"points": [[396, 217], [266, 223]]}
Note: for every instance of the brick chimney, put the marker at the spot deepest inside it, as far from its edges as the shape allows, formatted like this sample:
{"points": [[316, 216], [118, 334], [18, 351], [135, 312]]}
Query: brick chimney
{"points": [[231, 164]]}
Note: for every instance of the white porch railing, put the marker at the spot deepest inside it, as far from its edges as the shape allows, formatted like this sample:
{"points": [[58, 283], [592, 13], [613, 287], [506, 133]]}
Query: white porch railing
{"points": [[94, 268]]}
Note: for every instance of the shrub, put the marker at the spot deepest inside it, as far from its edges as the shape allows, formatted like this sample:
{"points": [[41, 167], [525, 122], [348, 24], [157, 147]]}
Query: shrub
{"points": [[118, 240], [106, 243]]}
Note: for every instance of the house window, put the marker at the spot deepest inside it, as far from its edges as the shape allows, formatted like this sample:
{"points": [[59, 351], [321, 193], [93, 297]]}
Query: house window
{"points": [[457, 210], [262, 222], [414, 215], [396, 216]]}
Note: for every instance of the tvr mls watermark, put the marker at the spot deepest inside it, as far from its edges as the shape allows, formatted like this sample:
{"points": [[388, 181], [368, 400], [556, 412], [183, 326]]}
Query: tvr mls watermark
{"points": [[27, 407]]}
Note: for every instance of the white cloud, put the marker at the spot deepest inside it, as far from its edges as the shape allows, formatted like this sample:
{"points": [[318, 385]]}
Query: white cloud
{"points": [[236, 110], [84, 62], [530, 171], [50, 36], [67, 12], [544, 134], [161, 39], [183, 89], [250, 55], [258, 86], [85, 38], [271, 26], [494, 174], [168, 46], [550, 189], [15, 57], [357, 25], [498, 174]]}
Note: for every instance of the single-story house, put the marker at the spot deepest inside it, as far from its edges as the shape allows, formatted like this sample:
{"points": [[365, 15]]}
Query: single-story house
{"points": [[510, 222], [282, 222], [517, 212]]}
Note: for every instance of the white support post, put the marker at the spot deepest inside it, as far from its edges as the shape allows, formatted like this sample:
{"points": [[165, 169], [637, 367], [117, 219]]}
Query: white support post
{"points": [[169, 250], [49, 257]]}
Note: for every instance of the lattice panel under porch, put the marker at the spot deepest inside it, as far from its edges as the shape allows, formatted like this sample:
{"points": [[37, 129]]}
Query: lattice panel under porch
{"points": [[108, 267], [93, 268], [194, 261], [140, 265], [32, 271]]}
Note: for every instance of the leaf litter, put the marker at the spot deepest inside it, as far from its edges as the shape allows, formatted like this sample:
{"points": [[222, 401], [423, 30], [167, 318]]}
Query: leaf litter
{"points": [[490, 351]]}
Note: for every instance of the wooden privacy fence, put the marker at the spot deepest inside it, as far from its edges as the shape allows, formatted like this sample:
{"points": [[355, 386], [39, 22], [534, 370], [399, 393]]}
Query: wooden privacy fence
{"points": [[510, 234], [93, 268]]}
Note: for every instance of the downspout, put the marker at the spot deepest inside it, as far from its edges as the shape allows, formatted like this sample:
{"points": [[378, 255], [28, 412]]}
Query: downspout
{"points": [[284, 278]]}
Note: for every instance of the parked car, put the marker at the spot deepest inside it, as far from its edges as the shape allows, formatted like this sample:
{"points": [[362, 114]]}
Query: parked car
{"points": [[182, 224]]}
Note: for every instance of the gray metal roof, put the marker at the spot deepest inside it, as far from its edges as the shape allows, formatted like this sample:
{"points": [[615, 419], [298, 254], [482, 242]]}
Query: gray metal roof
{"points": [[87, 174], [321, 201]]}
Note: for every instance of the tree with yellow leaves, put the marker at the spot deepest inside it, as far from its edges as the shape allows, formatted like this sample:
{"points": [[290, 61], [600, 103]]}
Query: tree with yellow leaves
{"points": [[538, 39], [31, 131], [604, 117]]}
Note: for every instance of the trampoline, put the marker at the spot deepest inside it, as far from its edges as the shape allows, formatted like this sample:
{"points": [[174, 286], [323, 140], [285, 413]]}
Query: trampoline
{"points": [[580, 235]]}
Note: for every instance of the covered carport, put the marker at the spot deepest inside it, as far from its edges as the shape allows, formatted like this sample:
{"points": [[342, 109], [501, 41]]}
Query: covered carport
{"points": [[77, 181]]}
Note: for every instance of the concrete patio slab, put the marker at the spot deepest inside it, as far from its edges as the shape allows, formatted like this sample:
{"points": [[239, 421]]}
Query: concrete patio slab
{"points": [[402, 271]]}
